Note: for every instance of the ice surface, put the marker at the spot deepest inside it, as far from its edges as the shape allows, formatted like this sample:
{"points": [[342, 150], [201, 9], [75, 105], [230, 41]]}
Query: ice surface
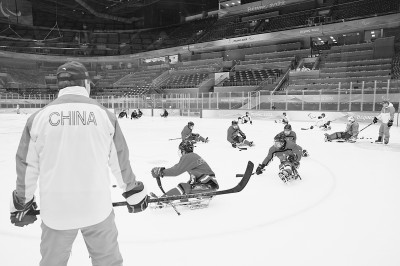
{"points": [[345, 211]]}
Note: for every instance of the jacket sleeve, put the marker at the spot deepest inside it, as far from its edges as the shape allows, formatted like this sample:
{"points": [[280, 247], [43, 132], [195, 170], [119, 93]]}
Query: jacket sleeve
{"points": [[391, 111], [119, 159], [269, 157], [27, 165]]}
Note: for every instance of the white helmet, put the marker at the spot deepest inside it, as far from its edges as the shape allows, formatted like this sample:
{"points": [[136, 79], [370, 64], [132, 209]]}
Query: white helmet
{"points": [[351, 119]]}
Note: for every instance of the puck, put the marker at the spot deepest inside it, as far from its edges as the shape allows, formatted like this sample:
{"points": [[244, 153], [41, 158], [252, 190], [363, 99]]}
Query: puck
{"points": [[114, 185]]}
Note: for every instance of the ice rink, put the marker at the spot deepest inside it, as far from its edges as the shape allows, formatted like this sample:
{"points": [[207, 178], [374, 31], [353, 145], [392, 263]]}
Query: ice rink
{"points": [[344, 212]]}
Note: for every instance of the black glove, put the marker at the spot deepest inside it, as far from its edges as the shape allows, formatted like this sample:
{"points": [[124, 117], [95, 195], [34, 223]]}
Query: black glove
{"points": [[259, 169], [251, 122], [22, 214], [157, 172], [390, 123], [291, 158], [243, 135], [136, 198], [234, 145], [375, 120]]}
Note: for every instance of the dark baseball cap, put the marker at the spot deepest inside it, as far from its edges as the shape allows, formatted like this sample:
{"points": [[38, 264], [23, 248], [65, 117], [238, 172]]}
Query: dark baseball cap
{"points": [[72, 70]]}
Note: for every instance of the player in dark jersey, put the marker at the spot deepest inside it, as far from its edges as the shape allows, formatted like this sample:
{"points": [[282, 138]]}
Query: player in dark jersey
{"points": [[290, 135], [236, 136], [164, 114], [123, 114], [187, 134], [289, 154], [202, 178]]}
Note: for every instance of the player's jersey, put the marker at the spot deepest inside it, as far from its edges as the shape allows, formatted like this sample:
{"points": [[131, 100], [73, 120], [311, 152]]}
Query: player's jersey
{"points": [[320, 122], [352, 128], [246, 118], [233, 133], [78, 130], [291, 137], [186, 132], [191, 163], [284, 152], [387, 113]]}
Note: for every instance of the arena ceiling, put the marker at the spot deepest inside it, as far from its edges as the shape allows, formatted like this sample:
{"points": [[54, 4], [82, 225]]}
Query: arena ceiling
{"points": [[124, 9]]}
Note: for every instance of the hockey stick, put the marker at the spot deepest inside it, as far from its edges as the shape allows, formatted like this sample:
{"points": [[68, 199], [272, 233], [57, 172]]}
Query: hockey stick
{"points": [[365, 127], [239, 187], [175, 139], [162, 190]]}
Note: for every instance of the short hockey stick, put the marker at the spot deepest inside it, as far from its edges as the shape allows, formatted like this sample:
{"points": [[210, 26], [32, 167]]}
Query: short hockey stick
{"points": [[162, 190], [239, 187]]}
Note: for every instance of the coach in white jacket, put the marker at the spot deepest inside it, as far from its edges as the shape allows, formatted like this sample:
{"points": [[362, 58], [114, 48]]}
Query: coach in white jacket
{"points": [[386, 116], [69, 146]]}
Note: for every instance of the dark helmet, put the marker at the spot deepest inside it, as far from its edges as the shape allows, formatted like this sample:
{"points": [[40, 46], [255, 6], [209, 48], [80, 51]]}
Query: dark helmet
{"points": [[280, 138], [287, 127], [234, 122], [190, 124], [186, 146], [323, 114], [284, 113]]}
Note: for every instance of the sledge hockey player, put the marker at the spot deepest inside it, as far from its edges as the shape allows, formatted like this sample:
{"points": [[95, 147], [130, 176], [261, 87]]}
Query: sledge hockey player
{"points": [[134, 115], [18, 110], [139, 113], [123, 114], [187, 134], [284, 119], [202, 178], [165, 114], [245, 119], [290, 135], [321, 123], [236, 137], [386, 116], [289, 154], [350, 134], [71, 163]]}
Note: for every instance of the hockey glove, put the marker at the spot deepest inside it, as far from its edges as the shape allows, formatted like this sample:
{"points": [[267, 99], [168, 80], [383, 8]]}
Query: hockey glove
{"points": [[234, 145], [390, 123], [22, 214], [375, 120], [157, 172], [136, 198], [259, 169], [243, 135], [305, 153]]}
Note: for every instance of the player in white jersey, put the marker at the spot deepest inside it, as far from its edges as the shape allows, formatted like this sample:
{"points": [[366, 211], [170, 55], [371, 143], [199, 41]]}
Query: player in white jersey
{"points": [[245, 119], [68, 148]]}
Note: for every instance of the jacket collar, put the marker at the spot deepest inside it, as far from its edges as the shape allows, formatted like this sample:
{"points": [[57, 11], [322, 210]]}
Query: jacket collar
{"points": [[76, 90]]}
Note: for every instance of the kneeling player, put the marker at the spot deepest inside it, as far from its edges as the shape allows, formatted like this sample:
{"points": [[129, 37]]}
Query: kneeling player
{"points": [[284, 119], [202, 178], [350, 134], [236, 136], [186, 134], [289, 154]]}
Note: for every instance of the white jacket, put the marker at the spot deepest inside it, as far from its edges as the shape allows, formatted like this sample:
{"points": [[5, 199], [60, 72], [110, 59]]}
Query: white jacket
{"points": [[387, 113], [69, 145]]}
